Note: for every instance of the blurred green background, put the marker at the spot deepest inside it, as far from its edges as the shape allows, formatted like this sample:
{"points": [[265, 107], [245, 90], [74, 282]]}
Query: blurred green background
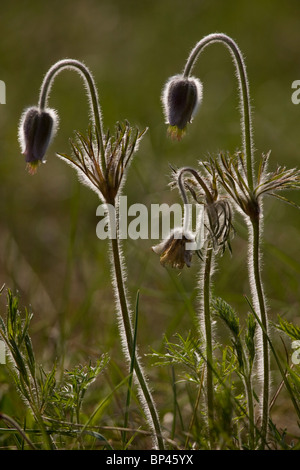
{"points": [[49, 251]]}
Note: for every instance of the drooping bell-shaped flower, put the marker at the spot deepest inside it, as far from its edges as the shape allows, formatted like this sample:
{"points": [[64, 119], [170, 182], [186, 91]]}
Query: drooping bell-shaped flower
{"points": [[36, 130], [175, 250], [181, 98]]}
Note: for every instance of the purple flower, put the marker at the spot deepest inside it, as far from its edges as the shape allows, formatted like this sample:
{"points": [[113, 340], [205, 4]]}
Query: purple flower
{"points": [[36, 130], [181, 98]]}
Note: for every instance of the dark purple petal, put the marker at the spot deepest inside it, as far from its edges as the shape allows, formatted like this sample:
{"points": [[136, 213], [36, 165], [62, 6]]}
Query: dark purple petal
{"points": [[181, 99], [36, 131]]}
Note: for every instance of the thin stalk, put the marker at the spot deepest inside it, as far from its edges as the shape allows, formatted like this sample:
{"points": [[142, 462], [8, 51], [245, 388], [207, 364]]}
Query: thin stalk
{"points": [[131, 369], [260, 302], [127, 337], [245, 107], [205, 288], [198, 178], [282, 371], [175, 402], [208, 339], [250, 406], [80, 68], [187, 207], [40, 421], [18, 429], [195, 409]]}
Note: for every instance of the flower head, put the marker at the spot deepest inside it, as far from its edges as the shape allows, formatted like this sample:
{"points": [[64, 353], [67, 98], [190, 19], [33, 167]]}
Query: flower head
{"points": [[181, 98], [36, 130], [231, 171], [215, 224], [219, 224], [118, 151], [174, 250]]}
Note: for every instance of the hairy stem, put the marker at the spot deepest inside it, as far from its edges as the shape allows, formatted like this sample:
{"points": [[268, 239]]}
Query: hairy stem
{"points": [[80, 68], [208, 334], [245, 107], [187, 209], [205, 292], [198, 178], [127, 337], [206, 322], [260, 306]]}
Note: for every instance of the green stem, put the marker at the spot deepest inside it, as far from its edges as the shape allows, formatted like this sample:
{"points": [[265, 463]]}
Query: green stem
{"points": [[264, 321], [198, 178], [278, 362], [245, 107], [250, 405], [151, 411], [92, 93], [206, 293], [208, 339], [15, 425], [37, 414], [133, 356]]}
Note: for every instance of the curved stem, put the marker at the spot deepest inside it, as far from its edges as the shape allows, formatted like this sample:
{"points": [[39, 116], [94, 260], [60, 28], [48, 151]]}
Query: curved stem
{"points": [[127, 338], [198, 178], [243, 88], [260, 301], [15, 425], [80, 68], [186, 205]]}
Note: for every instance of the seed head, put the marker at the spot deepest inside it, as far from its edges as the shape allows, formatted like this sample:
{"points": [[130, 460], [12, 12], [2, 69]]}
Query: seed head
{"points": [[181, 98], [173, 250], [118, 153], [36, 131]]}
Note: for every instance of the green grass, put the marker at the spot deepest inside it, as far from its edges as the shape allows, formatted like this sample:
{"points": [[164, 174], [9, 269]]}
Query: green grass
{"points": [[70, 409]]}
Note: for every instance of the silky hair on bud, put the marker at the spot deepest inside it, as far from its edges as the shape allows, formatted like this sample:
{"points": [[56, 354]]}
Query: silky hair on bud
{"points": [[181, 98]]}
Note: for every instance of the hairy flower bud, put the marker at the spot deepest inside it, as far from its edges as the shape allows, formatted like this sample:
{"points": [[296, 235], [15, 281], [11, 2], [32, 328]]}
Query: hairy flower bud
{"points": [[181, 99], [174, 250], [36, 130]]}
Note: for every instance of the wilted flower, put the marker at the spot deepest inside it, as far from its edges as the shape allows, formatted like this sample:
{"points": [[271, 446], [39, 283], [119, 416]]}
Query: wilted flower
{"points": [[37, 128], [181, 98], [174, 250]]}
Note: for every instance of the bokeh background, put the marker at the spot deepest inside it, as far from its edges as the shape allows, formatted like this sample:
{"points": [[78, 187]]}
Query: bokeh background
{"points": [[49, 252]]}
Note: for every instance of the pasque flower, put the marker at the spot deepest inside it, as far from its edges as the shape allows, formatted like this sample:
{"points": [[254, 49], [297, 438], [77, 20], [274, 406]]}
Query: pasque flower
{"points": [[181, 98], [174, 251], [237, 177], [118, 151], [36, 130], [102, 162]]}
